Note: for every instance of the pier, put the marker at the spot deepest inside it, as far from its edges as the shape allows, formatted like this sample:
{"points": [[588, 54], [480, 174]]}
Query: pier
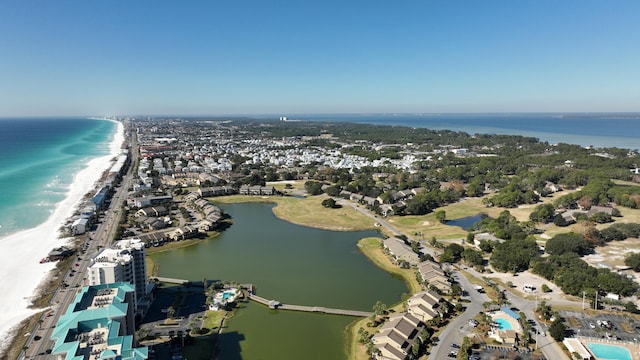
{"points": [[274, 304], [171, 280]]}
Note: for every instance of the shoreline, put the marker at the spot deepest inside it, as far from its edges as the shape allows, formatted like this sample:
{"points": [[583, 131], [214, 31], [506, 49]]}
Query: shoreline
{"points": [[20, 271]]}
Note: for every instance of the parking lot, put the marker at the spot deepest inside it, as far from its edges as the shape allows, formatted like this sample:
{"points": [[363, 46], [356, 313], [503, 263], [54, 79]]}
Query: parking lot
{"points": [[501, 352], [615, 326]]}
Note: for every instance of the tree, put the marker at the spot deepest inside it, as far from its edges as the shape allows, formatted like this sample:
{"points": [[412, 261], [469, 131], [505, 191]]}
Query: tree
{"points": [[451, 253], [332, 191], [329, 203], [379, 308], [560, 221], [441, 215], [542, 213], [514, 255], [569, 242], [557, 329], [632, 260], [472, 257], [313, 187], [170, 312]]}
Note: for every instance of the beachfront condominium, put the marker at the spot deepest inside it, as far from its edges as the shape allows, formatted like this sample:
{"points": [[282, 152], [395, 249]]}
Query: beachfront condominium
{"points": [[99, 324], [123, 261]]}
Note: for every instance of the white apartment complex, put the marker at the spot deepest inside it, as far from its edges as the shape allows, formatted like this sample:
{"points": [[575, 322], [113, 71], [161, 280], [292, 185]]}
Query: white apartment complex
{"points": [[122, 262]]}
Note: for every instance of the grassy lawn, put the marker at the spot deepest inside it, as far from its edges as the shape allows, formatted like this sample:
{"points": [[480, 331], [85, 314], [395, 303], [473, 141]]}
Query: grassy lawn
{"points": [[309, 212], [286, 185], [355, 350], [152, 267], [212, 320]]}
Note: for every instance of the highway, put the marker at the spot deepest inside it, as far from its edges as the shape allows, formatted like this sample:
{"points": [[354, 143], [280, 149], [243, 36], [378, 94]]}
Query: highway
{"points": [[39, 343]]}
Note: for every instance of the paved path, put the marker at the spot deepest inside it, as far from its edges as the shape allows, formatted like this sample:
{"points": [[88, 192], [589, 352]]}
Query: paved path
{"points": [[368, 213]]}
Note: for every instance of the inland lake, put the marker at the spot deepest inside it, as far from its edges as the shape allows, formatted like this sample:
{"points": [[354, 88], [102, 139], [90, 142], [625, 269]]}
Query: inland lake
{"points": [[295, 265]]}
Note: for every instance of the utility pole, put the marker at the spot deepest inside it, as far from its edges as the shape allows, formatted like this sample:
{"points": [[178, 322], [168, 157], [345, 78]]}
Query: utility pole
{"points": [[582, 300]]}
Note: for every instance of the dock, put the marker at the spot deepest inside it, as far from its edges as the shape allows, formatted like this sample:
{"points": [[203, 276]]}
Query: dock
{"points": [[274, 304], [171, 280]]}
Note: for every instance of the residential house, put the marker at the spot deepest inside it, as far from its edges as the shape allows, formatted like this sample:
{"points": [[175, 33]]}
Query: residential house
{"points": [[79, 226], [397, 336], [609, 210], [400, 251], [257, 190], [153, 211], [477, 238], [424, 305], [217, 191], [432, 274]]}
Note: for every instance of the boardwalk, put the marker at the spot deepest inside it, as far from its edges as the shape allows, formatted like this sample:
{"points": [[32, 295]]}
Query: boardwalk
{"points": [[276, 305], [171, 280]]}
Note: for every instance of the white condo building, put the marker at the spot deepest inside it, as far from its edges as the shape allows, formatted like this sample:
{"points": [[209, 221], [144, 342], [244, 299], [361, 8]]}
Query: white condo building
{"points": [[122, 262]]}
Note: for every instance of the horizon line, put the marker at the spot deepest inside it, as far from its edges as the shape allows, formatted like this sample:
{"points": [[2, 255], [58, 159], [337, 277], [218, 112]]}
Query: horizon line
{"points": [[413, 113]]}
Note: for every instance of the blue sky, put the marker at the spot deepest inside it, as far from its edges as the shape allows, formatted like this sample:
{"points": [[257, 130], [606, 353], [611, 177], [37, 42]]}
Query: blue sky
{"points": [[284, 57]]}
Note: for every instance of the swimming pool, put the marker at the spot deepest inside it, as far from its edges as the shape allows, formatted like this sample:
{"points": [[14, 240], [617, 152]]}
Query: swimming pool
{"points": [[609, 352], [503, 323]]}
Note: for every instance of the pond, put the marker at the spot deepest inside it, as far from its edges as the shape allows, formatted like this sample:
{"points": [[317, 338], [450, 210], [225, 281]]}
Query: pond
{"points": [[466, 222], [295, 265]]}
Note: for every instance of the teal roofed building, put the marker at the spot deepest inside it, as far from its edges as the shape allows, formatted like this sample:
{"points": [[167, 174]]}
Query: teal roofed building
{"points": [[99, 324]]}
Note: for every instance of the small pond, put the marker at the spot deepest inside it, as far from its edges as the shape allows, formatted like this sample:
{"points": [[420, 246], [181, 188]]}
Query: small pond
{"points": [[466, 222]]}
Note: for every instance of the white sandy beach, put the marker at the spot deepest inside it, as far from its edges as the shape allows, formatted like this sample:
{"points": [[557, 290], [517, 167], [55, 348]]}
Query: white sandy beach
{"points": [[20, 270]]}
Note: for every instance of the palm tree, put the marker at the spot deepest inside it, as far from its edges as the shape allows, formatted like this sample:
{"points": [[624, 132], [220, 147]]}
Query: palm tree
{"points": [[170, 312]]}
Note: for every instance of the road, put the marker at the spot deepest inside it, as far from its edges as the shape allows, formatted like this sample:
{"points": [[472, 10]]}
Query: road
{"points": [[368, 213], [550, 349], [39, 342], [458, 328]]}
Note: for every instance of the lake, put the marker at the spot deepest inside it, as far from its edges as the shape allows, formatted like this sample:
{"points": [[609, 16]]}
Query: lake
{"points": [[295, 265]]}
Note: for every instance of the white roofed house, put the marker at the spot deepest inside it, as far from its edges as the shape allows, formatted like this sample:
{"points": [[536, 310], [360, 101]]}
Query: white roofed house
{"points": [[79, 226], [400, 251]]}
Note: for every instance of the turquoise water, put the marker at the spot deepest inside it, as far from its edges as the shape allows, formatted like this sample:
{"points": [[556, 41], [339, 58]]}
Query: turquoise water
{"points": [[503, 323], [38, 160], [609, 352]]}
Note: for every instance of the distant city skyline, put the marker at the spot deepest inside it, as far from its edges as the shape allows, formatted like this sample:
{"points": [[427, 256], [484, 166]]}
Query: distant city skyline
{"points": [[294, 57]]}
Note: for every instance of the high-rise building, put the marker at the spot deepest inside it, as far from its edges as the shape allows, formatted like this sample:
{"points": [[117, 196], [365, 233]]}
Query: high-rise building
{"points": [[123, 261]]}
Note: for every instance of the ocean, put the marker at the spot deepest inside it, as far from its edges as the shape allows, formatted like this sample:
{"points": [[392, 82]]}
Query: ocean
{"points": [[38, 160], [596, 130]]}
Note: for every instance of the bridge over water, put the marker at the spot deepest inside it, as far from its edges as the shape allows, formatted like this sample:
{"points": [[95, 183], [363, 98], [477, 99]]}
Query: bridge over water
{"points": [[274, 304]]}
